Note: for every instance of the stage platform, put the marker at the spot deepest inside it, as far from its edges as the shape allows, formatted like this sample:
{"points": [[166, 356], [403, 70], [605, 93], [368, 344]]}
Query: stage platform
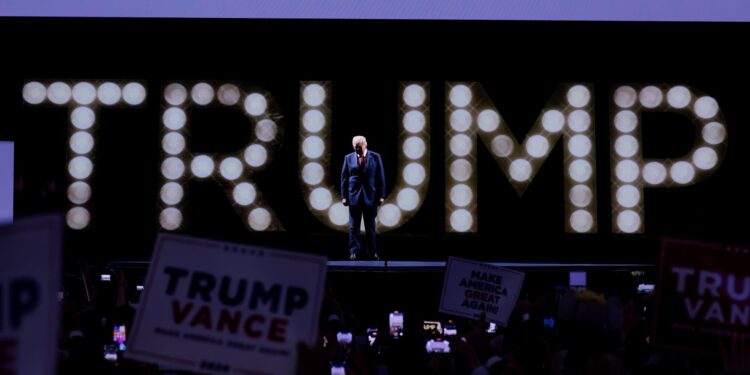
{"points": [[416, 266], [438, 266]]}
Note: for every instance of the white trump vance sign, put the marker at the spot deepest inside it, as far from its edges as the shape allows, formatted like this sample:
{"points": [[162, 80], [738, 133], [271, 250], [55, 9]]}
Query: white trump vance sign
{"points": [[219, 307], [30, 251]]}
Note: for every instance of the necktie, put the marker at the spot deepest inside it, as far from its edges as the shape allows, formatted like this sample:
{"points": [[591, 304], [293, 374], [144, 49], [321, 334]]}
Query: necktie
{"points": [[361, 160]]}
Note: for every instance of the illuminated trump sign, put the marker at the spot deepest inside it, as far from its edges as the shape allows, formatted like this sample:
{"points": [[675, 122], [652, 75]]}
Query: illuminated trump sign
{"points": [[471, 119]]}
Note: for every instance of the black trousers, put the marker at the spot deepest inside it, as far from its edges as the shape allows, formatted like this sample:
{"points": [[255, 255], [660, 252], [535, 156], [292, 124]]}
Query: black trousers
{"points": [[356, 213]]}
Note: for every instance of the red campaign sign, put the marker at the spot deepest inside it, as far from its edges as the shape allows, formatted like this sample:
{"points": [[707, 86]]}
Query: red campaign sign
{"points": [[703, 294]]}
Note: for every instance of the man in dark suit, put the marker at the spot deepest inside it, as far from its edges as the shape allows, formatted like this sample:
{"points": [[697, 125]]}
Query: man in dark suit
{"points": [[363, 190]]}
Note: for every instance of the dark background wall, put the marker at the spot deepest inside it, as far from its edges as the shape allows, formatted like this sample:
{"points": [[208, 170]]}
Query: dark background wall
{"points": [[520, 64]]}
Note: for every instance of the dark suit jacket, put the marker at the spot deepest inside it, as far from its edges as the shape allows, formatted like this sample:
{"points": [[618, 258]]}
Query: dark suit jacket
{"points": [[363, 185]]}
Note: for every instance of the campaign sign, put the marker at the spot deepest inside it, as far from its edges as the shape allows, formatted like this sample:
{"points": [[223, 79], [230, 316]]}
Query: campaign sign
{"points": [[472, 288], [216, 307], [703, 294], [30, 252]]}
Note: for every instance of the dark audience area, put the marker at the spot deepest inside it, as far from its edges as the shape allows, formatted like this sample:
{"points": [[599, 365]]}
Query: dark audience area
{"points": [[603, 328]]}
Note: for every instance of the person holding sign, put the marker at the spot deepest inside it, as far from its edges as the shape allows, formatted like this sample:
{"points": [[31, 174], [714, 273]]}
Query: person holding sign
{"points": [[363, 190]]}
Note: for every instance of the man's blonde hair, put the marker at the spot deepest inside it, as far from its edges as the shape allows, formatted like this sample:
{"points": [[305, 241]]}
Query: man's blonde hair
{"points": [[358, 139]]}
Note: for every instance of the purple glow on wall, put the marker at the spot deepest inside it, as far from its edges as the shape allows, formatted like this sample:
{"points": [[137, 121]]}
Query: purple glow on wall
{"points": [[6, 182], [542, 10]]}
